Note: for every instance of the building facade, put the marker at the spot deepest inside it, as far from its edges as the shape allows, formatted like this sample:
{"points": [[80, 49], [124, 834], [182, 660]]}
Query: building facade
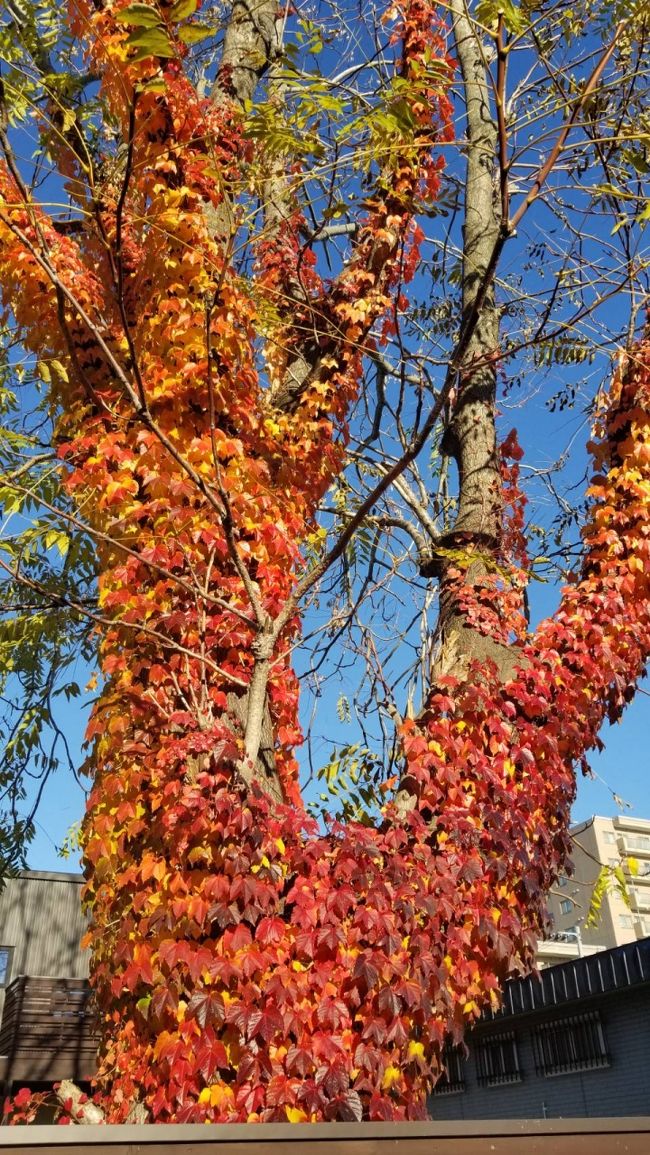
{"points": [[47, 1022], [571, 1042], [621, 841], [41, 927]]}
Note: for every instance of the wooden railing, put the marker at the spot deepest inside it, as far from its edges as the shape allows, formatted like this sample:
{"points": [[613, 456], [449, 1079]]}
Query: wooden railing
{"points": [[48, 1031], [501, 1137]]}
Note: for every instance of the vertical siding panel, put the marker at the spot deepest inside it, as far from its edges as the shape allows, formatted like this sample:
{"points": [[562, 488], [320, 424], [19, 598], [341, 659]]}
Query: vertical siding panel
{"points": [[41, 918]]}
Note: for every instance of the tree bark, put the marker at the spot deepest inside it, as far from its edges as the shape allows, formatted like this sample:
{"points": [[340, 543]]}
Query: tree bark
{"points": [[470, 435], [250, 44]]}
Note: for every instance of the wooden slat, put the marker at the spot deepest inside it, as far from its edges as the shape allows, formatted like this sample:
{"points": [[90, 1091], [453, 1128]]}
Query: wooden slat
{"points": [[48, 1030], [500, 1137], [47, 1068], [563, 1145]]}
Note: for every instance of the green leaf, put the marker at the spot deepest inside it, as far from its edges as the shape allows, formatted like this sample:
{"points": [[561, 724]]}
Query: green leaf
{"points": [[489, 11], [56, 539], [194, 33], [182, 9], [155, 85], [638, 162], [343, 709], [139, 16], [60, 370], [43, 371], [142, 1005], [152, 42]]}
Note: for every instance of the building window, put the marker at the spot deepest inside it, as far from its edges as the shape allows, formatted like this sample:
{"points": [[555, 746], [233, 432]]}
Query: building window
{"points": [[566, 906], [5, 964], [497, 1060], [610, 837], [452, 1080], [562, 880], [626, 921], [643, 869], [572, 1044], [637, 841]]}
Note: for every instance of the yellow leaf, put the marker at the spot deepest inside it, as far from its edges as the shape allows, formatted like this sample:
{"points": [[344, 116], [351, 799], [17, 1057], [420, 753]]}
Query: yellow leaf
{"points": [[392, 1075], [60, 370], [295, 1115], [415, 1050], [217, 1094], [221, 1095]]}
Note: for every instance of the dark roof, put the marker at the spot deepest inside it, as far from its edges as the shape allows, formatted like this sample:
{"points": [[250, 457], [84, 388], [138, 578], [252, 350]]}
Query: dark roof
{"points": [[597, 974]]}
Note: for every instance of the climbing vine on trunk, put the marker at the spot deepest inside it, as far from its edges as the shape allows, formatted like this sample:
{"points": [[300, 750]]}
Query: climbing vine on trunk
{"points": [[247, 964]]}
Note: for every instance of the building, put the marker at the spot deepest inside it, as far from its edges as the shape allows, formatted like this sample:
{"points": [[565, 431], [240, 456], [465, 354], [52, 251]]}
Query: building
{"points": [[41, 927], [46, 1032], [572, 1041], [621, 841], [560, 946]]}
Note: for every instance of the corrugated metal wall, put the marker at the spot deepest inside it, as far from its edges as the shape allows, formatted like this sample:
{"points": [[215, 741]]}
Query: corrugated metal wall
{"points": [[40, 917]]}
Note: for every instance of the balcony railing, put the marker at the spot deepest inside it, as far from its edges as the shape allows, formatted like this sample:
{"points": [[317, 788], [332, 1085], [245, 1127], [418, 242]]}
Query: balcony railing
{"points": [[634, 844], [639, 898], [48, 1031]]}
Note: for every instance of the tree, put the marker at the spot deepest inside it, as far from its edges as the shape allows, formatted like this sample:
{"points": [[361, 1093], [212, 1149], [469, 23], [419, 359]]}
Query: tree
{"points": [[207, 267]]}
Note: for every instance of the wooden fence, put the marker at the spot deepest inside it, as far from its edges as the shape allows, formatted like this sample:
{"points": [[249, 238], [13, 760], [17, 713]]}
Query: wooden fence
{"points": [[505, 1137], [47, 1031]]}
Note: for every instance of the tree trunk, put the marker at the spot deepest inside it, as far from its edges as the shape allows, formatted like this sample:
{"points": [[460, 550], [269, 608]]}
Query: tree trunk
{"points": [[470, 435]]}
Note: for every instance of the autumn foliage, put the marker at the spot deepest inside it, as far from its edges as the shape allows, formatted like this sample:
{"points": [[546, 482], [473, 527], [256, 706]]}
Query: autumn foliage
{"points": [[247, 965]]}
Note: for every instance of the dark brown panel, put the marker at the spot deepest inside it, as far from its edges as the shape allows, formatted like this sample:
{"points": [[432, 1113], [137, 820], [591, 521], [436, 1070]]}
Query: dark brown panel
{"points": [[501, 1137], [48, 1030]]}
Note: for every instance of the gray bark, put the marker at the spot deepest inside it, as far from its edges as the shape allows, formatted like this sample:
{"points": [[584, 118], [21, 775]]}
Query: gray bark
{"points": [[470, 436], [250, 45]]}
